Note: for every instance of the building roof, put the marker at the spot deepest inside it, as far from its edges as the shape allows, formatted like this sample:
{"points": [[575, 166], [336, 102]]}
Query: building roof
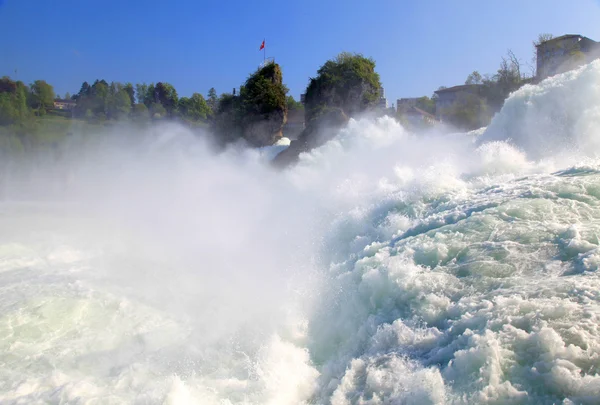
{"points": [[418, 111], [458, 88], [566, 36]]}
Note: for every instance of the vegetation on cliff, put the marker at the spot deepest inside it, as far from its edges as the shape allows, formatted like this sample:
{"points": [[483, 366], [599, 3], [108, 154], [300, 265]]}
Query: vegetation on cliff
{"points": [[348, 82], [258, 113], [344, 87]]}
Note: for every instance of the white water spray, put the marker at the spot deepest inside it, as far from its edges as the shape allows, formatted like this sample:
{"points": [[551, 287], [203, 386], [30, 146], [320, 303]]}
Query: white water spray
{"points": [[384, 268]]}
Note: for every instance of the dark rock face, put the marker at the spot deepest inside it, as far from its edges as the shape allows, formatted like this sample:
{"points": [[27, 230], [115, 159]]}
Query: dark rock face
{"points": [[320, 130], [264, 129]]}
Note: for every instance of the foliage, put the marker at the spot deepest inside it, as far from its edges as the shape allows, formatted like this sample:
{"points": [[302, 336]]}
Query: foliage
{"points": [[130, 92], [118, 105], [294, 105], [166, 95], [349, 82], [157, 110], [263, 91], [42, 96], [13, 102], [474, 78], [212, 100], [139, 112], [194, 108], [141, 90], [426, 104], [257, 112], [469, 111]]}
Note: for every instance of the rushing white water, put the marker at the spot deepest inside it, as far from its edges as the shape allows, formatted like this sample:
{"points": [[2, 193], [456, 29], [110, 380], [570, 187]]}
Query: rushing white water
{"points": [[386, 268]]}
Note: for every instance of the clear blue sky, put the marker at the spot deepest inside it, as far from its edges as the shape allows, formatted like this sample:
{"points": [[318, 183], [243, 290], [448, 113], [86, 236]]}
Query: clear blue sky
{"points": [[195, 45]]}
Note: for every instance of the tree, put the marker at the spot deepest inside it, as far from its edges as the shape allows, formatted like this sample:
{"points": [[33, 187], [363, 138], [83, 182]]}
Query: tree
{"points": [[294, 105], [426, 104], [118, 105], [157, 110], [42, 96], [139, 112], [165, 94], [13, 102], [212, 100], [141, 90], [194, 108], [542, 38], [67, 96], [468, 112], [349, 82], [130, 92], [83, 91], [474, 78]]}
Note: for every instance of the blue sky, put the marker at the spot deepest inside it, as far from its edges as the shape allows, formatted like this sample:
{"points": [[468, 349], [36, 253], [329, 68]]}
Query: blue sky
{"points": [[195, 45]]}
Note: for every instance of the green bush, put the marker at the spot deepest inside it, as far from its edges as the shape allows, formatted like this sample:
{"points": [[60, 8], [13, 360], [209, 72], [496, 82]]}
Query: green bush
{"points": [[348, 82]]}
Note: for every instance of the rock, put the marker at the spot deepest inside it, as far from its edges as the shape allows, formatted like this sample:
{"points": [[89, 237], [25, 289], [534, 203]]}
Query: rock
{"points": [[318, 131]]}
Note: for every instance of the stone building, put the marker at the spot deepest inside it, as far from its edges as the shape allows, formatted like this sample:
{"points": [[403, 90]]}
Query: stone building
{"points": [[564, 53]]}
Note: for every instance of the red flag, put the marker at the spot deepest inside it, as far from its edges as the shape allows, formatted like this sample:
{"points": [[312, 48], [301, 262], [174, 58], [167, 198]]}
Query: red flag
{"points": [[262, 46]]}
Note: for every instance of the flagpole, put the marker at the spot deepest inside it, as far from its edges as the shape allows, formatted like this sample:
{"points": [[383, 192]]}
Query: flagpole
{"points": [[264, 51]]}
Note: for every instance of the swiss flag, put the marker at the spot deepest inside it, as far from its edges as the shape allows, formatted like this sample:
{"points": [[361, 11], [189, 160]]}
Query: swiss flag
{"points": [[262, 46]]}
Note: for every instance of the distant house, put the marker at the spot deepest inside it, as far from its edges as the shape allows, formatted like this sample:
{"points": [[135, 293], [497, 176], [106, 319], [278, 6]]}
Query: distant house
{"points": [[447, 97], [564, 53], [402, 103], [417, 117], [61, 104], [382, 102]]}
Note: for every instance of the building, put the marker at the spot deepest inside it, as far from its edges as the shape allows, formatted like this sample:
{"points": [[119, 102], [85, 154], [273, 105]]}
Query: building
{"points": [[418, 118], [564, 53], [61, 104], [405, 103], [382, 103], [447, 97]]}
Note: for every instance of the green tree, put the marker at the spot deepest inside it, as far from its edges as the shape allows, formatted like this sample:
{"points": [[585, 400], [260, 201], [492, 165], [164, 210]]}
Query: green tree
{"points": [[468, 112], [474, 78], [141, 91], [42, 96], [139, 112], [67, 96], [165, 94], [13, 102], [349, 82], [130, 92], [157, 110], [119, 104], [84, 91], [194, 108], [294, 105], [426, 104], [212, 100]]}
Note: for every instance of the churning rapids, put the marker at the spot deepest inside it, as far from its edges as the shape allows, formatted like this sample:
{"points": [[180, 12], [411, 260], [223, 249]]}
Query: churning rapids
{"points": [[386, 268]]}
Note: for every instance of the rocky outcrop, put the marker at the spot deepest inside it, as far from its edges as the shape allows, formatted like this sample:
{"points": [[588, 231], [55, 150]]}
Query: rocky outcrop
{"points": [[258, 113], [318, 131], [344, 87]]}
